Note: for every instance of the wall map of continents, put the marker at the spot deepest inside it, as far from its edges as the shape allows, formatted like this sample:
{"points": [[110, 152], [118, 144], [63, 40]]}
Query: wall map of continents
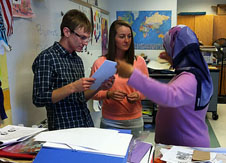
{"points": [[149, 27]]}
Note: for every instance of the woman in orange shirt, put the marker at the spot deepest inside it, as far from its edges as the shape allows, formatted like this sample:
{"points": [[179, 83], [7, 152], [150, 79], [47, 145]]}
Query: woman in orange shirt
{"points": [[121, 107]]}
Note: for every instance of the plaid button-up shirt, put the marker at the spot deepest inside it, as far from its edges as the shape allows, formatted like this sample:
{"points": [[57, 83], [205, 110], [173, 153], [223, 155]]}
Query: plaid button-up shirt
{"points": [[55, 68]]}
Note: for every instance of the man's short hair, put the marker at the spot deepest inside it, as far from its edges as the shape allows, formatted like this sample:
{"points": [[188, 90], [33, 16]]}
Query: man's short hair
{"points": [[75, 19]]}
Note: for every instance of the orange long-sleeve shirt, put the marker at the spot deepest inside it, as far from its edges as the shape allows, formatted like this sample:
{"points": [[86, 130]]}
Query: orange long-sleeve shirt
{"points": [[120, 110]]}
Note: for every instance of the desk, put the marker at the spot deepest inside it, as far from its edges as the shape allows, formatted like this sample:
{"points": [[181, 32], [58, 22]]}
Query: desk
{"points": [[146, 158], [164, 77], [216, 154], [137, 150]]}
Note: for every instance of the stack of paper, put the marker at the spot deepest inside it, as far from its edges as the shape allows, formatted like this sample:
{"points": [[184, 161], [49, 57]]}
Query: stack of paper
{"points": [[179, 154], [95, 140], [12, 134], [158, 65]]}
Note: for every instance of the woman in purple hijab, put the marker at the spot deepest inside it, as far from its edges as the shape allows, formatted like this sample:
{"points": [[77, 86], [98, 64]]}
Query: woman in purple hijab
{"points": [[183, 102]]}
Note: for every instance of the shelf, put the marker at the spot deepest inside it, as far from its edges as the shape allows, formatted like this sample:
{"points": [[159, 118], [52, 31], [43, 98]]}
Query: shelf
{"points": [[191, 13], [90, 5]]}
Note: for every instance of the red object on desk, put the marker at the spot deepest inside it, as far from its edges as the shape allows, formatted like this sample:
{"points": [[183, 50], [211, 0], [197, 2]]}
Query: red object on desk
{"points": [[157, 160], [16, 155]]}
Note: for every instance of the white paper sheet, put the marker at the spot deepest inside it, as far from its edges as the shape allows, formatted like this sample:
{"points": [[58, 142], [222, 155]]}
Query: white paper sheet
{"points": [[158, 66], [105, 141], [180, 154], [105, 71], [11, 133]]}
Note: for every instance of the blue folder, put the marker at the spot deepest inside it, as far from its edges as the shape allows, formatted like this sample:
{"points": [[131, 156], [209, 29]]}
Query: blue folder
{"points": [[56, 155]]}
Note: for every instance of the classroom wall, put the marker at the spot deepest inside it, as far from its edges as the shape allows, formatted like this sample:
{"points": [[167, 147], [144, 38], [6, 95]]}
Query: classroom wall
{"points": [[198, 6], [30, 36], [145, 5], [104, 4]]}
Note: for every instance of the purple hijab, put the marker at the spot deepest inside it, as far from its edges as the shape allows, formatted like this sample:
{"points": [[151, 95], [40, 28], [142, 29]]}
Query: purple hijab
{"points": [[182, 45]]}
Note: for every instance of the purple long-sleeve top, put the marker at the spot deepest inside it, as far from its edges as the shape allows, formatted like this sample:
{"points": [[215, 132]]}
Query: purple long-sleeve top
{"points": [[177, 122]]}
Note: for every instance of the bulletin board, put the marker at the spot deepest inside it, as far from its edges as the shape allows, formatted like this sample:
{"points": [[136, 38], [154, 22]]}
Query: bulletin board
{"points": [[30, 37], [5, 88]]}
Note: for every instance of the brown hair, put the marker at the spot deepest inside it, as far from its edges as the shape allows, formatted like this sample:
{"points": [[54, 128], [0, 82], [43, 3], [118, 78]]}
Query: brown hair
{"points": [[75, 19], [111, 55]]}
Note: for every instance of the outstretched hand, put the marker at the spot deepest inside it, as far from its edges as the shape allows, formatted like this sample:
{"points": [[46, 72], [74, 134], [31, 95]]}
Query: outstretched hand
{"points": [[165, 56], [124, 69]]}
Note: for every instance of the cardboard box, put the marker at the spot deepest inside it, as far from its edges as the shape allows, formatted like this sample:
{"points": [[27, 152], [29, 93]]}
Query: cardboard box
{"points": [[221, 9]]}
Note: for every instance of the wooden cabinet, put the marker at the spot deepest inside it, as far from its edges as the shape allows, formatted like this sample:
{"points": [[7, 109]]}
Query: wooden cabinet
{"points": [[202, 25], [222, 91], [219, 28], [219, 31], [208, 29], [188, 20]]}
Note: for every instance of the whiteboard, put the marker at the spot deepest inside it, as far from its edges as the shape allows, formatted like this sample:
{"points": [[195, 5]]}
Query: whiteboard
{"points": [[30, 37]]}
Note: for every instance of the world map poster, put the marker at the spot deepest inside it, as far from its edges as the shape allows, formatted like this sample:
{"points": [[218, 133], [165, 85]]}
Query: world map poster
{"points": [[149, 27]]}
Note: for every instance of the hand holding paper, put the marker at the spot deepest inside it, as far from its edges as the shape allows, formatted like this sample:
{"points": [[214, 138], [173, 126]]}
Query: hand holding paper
{"points": [[107, 84], [106, 70]]}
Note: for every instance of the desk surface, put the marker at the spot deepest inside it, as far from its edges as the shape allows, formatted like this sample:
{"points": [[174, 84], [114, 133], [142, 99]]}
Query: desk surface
{"points": [[166, 73]]}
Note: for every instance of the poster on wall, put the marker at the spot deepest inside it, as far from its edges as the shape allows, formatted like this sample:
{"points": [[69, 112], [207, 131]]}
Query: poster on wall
{"points": [[96, 26], [22, 9], [104, 35], [149, 27], [5, 88]]}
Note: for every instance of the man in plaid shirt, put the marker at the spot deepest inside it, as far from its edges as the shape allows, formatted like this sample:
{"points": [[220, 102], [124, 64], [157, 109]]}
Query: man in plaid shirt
{"points": [[59, 83]]}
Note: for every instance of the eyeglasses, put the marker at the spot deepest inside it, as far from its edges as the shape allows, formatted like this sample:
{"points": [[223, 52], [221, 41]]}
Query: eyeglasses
{"points": [[83, 38]]}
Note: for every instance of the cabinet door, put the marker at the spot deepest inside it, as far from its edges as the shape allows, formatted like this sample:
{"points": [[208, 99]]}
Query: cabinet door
{"points": [[202, 25], [204, 28], [222, 82], [219, 27], [187, 20]]}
